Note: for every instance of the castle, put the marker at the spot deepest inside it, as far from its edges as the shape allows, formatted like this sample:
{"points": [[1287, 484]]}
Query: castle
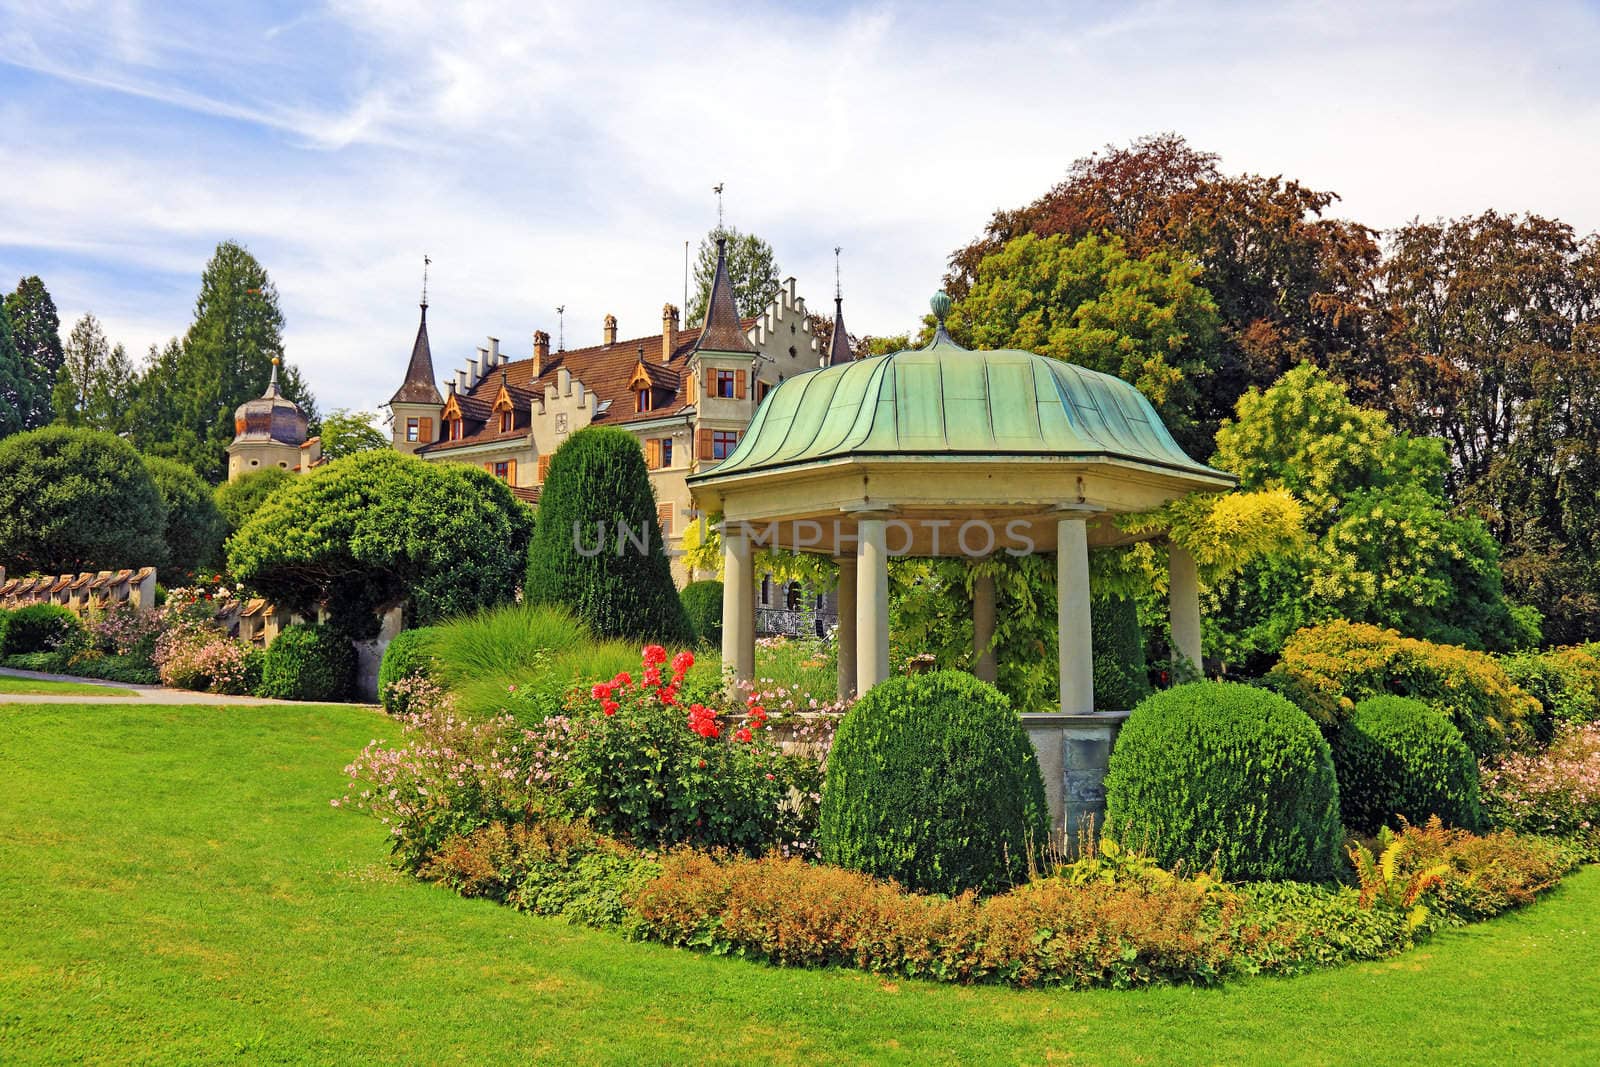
{"points": [[687, 394]]}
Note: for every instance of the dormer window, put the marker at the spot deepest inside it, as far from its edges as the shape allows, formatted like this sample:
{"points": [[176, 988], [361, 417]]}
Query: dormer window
{"points": [[457, 429], [643, 401], [505, 422]]}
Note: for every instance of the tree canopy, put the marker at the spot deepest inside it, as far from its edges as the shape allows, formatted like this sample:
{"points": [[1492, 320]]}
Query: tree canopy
{"points": [[77, 500], [16, 391], [239, 498], [193, 529], [378, 528], [752, 267], [345, 432]]}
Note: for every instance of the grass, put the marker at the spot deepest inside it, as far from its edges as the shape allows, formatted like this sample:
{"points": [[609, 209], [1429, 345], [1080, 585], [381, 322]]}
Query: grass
{"points": [[34, 686], [174, 887]]}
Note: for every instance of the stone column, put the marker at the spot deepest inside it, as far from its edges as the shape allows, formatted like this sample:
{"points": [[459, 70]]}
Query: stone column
{"points": [[983, 660], [845, 638], [1183, 591], [738, 605], [872, 604], [1073, 635]]}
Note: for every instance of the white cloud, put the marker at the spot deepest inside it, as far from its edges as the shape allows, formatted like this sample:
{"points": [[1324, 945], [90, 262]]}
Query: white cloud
{"points": [[562, 153]]}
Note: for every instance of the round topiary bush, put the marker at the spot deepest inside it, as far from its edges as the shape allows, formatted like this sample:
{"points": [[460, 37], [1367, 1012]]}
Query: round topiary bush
{"points": [[309, 663], [409, 655], [933, 782], [1216, 772], [1398, 758], [39, 628], [702, 602]]}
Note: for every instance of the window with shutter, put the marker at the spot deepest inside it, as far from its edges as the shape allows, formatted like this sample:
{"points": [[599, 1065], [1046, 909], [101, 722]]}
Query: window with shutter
{"points": [[426, 431], [544, 467], [738, 385], [511, 472], [703, 443], [664, 517], [652, 454], [413, 428]]}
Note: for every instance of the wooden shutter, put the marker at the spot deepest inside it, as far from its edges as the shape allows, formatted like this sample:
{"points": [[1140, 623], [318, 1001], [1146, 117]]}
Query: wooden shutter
{"points": [[738, 385], [489, 466], [711, 382], [511, 472], [703, 436], [544, 467], [425, 430], [664, 517], [652, 454]]}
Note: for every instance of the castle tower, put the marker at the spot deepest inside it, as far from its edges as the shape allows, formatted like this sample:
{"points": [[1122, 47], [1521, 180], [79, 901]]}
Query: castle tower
{"points": [[417, 405], [270, 431]]}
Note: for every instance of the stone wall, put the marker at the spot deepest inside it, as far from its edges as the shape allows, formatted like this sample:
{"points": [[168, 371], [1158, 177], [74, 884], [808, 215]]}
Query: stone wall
{"points": [[1074, 752], [83, 592]]}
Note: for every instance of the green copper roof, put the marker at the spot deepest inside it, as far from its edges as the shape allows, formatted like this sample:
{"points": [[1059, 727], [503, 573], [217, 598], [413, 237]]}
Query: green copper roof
{"points": [[947, 400]]}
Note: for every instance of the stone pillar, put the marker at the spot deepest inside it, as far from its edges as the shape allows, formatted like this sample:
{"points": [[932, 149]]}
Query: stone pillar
{"points": [[1073, 635], [845, 638], [738, 605], [983, 659], [1183, 592], [872, 604]]}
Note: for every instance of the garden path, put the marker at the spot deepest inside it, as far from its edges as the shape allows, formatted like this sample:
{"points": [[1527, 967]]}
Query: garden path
{"points": [[142, 694]]}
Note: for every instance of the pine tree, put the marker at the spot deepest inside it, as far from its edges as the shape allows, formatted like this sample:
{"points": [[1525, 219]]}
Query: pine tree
{"points": [[586, 555], [36, 329], [15, 391], [225, 360], [83, 361]]}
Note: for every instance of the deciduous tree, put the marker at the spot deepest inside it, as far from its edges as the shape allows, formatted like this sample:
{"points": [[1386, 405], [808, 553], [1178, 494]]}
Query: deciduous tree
{"points": [[752, 267]]}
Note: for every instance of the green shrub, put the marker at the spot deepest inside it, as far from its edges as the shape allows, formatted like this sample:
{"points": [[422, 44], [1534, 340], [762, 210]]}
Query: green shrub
{"points": [[1565, 682], [1226, 774], [131, 668], [1397, 758], [933, 782], [1121, 673], [40, 628], [409, 655], [702, 602], [46, 662], [194, 528], [1326, 669], [238, 498], [5, 613], [313, 662], [585, 555]]}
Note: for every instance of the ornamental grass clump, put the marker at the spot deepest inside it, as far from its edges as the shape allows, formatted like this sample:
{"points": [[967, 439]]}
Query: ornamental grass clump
{"points": [[1400, 761], [933, 782], [1216, 774]]}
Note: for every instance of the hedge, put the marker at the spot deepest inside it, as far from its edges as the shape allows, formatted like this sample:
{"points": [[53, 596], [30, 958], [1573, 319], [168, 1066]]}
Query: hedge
{"points": [[312, 662], [702, 602], [1401, 761]]}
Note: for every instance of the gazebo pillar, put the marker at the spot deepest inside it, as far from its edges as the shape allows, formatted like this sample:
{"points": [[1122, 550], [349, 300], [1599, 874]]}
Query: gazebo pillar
{"points": [[1074, 637], [738, 605], [872, 603], [983, 661], [1183, 598], [845, 639]]}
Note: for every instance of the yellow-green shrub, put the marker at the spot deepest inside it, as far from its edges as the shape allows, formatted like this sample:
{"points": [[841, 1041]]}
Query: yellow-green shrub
{"points": [[1327, 669]]}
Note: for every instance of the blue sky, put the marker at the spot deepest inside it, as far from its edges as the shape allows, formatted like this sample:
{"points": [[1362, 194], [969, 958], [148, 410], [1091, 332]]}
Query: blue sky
{"points": [[557, 153]]}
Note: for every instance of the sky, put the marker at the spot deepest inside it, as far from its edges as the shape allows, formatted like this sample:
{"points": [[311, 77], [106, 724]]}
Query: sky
{"points": [[546, 154]]}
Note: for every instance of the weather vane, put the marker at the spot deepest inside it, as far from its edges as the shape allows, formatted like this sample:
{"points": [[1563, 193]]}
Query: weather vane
{"points": [[561, 328], [838, 293], [717, 188], [425, 262]]}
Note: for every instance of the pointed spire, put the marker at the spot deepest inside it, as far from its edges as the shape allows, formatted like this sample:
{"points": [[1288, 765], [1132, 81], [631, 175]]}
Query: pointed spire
{"points": [[839, 342], [418, 388], [722, 331], [272, 383]]}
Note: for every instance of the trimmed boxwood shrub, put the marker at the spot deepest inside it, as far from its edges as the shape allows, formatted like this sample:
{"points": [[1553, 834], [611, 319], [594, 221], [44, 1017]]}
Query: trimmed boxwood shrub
{"points": [[702, 602], [1397, 758], [309, 663], [409, 655], [595, 506], [39, 628], [1121, 673], [5, 613], [933, 782], [1217, 772]]}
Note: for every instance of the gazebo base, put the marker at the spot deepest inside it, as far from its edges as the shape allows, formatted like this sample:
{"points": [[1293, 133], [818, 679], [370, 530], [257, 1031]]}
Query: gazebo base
{"points": [[1074, 751]]}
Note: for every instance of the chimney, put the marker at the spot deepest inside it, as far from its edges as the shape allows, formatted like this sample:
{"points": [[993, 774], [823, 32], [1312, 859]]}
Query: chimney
{"points": [[473, 374], [480, 370], [461, 381], [494, 352], [669, 332], [541, 351], [611, 330]]}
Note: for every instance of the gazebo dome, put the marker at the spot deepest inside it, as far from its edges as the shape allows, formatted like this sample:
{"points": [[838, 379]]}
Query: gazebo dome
{"points": [[270, 417], [946, 400]]}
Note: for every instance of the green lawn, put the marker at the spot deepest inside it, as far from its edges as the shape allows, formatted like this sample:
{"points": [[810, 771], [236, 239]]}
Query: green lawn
{"points": [[32, 686], [174, 887]]}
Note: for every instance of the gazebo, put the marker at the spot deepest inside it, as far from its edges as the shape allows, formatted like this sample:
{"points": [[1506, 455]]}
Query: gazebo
{"points": [[944, 451]]}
